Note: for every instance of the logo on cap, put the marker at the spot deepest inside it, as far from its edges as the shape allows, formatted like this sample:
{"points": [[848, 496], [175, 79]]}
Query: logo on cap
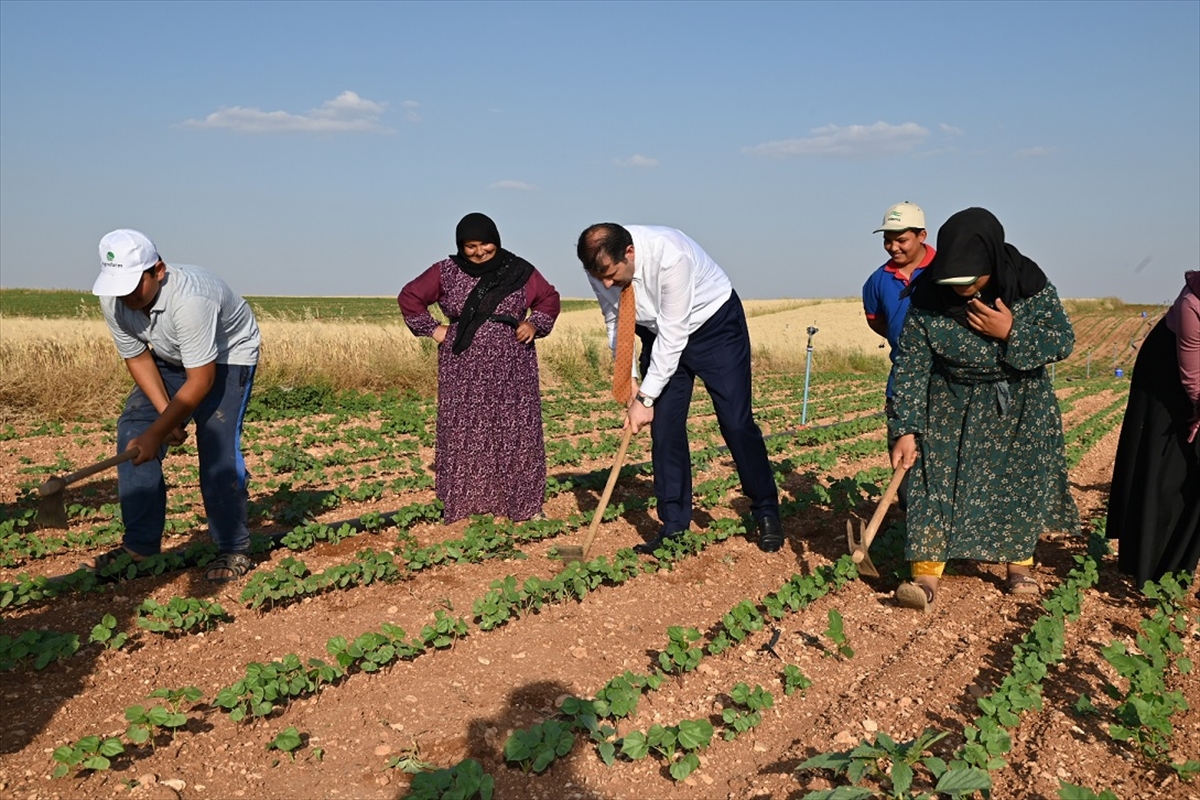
{"points": [[111, 255]]}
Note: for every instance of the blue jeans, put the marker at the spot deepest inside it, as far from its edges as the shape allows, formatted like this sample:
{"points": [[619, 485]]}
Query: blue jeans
{"points": [[223, 476]]}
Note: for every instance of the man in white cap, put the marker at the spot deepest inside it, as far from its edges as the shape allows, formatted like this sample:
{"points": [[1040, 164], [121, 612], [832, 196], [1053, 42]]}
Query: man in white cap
{"points": [[903, 230], [191, 345]]}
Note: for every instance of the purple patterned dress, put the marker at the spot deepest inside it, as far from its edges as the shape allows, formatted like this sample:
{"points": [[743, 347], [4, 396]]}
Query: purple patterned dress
{"points": [[491, 458]]}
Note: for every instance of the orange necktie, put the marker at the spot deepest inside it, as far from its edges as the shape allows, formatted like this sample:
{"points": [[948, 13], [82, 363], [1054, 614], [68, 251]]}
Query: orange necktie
{"points": [[623, 360]]}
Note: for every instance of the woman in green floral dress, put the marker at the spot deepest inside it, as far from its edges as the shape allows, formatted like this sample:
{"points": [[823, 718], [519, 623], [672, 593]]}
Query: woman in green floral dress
{"points": [[977, 420]]}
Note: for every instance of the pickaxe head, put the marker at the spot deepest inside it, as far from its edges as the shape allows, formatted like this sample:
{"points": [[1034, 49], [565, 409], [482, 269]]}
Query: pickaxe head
{"points": [[858, 550], [52, 509]]}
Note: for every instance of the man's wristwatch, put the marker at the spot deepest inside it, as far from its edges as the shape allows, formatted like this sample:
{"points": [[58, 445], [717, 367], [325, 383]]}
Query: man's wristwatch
{"points": [[648, 402]]}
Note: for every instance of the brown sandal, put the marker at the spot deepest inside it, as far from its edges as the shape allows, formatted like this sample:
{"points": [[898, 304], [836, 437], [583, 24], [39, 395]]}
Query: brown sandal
{"points": [[1022, 583], [105, 560], [916, 596], [229, 567]]}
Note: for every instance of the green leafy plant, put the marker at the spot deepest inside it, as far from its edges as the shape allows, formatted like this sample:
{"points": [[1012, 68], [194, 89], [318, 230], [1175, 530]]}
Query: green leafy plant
{"points": [[683, 740], [893, 767], [90, 753], [105, 634], [266, 686], [39, 647], [144, 722], [1084, 706], [1069, 791], [746, 712], [287, 741], [536, 748], [794, 680], [466, 780], [679, 656], [1143, 715], [836, 633], [180, 615]]}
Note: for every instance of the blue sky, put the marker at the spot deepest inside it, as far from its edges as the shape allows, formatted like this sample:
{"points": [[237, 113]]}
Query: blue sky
{"points": [[309, 148]]}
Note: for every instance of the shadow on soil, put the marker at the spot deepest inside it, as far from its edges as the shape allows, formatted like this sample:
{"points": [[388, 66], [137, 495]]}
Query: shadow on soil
{"points": [[526, 705]]}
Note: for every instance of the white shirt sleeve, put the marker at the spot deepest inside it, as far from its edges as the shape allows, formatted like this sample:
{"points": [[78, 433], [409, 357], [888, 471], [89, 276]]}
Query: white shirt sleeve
{"points": [[676, 295], [609, 300]]}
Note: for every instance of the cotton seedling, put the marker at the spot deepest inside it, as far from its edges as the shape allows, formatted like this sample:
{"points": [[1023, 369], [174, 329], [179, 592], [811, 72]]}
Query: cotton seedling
{"points": [[836, 633], [90, 753], [746, 711], [794, 680], [680, 656], [287, 741], [143, 722], [106, 635], [893, 766]]}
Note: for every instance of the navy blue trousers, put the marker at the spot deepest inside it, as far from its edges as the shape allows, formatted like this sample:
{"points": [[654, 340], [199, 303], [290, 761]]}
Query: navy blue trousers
{"points": [[719, 354], [223, 478]]}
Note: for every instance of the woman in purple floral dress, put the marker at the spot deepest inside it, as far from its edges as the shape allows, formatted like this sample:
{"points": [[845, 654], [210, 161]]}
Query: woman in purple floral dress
{"points": [[490, 455]]}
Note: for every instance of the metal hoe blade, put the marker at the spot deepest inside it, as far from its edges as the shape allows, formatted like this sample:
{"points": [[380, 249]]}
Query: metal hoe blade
{"points": [[858, 549], [52, 510], [860, 545]]}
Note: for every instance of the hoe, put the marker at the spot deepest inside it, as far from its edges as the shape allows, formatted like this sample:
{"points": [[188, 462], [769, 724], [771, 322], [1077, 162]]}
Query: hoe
{"points": [[52, 509], [860, 546], [573, 553]]}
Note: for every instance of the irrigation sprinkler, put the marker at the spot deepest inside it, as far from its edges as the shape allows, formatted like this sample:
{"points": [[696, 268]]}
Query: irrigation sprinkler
{"points": [[812, 331]]}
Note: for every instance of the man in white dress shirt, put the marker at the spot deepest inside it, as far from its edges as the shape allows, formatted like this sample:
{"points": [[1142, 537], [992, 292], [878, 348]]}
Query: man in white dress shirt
{"points": [[691, 323]]}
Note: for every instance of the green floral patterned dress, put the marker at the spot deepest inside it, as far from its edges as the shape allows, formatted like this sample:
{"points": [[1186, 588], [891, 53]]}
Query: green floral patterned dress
{"points": [[991, 476]]}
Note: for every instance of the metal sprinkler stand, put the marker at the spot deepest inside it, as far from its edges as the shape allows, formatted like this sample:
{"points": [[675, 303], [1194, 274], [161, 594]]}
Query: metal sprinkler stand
{"points": [[812, 331]]}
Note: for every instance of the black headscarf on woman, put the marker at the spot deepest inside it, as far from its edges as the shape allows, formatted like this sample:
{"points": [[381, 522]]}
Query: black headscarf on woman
{"points": [[499, 276], [971, 243]]}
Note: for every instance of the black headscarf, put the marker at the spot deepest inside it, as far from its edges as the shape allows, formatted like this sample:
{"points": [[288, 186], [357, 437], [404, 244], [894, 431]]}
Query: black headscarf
{"points": [[971, 243], [499, 276]]}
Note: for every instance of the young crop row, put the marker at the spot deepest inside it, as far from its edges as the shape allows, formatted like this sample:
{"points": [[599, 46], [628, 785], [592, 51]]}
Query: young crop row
{"points": [[299, 505], [1080, 438], [266, 687], [388, 465], [897, 769], [484, 538], [536, 748], [1142, 717]]}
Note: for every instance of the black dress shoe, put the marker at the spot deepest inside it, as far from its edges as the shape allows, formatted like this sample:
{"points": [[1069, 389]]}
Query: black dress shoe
{"points": [[648, 548], [770, 534]]}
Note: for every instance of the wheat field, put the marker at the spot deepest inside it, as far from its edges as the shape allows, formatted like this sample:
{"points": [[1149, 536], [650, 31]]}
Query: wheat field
{"points": [[67, 369]]}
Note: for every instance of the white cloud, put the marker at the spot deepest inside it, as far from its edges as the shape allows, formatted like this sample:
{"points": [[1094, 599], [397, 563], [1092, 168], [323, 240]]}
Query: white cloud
{"points": [[516, 186], [1034, 152], [636, 161], [851, 141], [949, 130], [346, 113], [410, 111]]}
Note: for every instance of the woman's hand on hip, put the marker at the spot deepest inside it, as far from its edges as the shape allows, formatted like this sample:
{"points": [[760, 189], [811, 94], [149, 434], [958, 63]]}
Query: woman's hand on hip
{"points": [[526, 332], [439, 333]]}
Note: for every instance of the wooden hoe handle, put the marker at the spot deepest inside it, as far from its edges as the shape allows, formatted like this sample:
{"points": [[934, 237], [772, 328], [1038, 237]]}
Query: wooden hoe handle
{"points": [[58, 483], [889, 495], [608, 490]]}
